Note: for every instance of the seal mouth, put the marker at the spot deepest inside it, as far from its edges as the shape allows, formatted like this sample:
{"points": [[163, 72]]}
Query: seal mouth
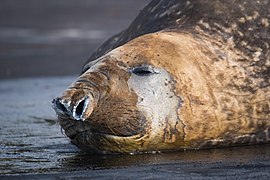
{"points": [[74, 128], [89, 139]]}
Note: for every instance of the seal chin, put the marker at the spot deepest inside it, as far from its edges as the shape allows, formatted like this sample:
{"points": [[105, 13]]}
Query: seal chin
{"points": [[90, 139], [101, 143]]}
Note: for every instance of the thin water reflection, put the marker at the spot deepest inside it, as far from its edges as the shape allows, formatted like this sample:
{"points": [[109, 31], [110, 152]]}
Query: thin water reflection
{"points": [[240, 155]]}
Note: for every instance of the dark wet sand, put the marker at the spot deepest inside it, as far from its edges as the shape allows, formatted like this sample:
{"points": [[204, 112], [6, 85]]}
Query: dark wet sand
{"points": [[33, 147], [53, 38]]}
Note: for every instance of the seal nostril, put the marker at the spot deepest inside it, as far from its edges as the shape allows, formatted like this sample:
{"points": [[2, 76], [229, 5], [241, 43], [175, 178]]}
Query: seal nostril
{"points": [[60, 106], [79, 108]]}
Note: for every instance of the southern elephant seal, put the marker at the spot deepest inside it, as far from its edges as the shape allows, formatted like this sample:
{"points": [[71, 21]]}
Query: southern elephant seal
{"points": [[184, 75]]}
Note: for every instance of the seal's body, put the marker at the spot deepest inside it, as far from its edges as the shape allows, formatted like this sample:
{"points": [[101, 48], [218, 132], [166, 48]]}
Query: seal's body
{"points": [[184, 75]]}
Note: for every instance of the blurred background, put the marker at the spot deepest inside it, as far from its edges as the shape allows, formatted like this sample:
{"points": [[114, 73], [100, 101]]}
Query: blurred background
{"points": [[55, 38]]}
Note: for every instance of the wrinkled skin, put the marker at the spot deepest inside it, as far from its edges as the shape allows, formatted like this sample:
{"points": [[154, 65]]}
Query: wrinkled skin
{"points": [[197, 84], [106, 111]]}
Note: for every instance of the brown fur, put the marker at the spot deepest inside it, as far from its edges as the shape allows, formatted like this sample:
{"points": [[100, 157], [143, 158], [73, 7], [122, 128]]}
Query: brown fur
{"points": [[215, 109]]}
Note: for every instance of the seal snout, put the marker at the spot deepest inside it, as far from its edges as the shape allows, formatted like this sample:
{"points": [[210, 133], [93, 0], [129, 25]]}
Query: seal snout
{"points": [[76, 110]]}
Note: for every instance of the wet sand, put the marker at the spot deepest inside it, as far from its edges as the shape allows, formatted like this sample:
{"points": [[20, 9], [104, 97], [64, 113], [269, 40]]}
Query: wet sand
{"points": [[53, 38], [33, 147]]}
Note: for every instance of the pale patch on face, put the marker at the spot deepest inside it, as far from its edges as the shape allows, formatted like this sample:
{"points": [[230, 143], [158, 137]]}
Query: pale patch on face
{"points": [[156, 100], [265, 22]]}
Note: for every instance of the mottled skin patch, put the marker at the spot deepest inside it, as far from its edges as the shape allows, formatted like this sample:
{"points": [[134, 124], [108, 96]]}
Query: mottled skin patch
{"points": [[215, 112], [218, 61]]}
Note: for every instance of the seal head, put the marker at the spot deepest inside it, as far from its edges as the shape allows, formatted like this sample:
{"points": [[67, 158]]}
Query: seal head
{"points": [[122, 104]]}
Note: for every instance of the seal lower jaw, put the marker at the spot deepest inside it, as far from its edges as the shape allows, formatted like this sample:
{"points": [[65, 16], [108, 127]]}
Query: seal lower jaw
{"points": [[86, 138], [101, 143]]}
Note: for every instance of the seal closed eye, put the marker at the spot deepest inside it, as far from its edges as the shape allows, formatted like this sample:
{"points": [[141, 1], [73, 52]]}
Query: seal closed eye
{"points": [[143, 70]]}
